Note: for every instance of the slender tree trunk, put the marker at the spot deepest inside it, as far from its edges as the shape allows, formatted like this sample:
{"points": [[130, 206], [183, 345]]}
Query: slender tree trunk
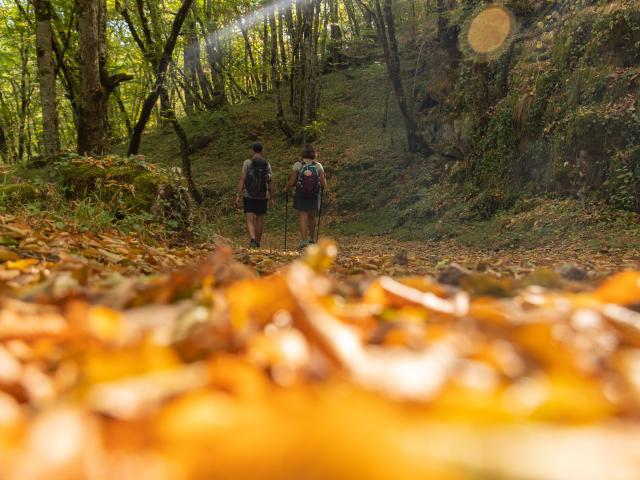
{"points": [[385, 27], [125, 114], [214, 54], [275, 76], [249, 54], [24, 101], [265, 50], [413, 22], [414, 140], [203, 81], [6, 137], [190, 97], [198, 78], [4, 150], [170, 116], [281, 43], [69, 81], [336, 58], [311, 34], [158, 88], [353, 20], [294, 31], [29, 139], [47, 77]]}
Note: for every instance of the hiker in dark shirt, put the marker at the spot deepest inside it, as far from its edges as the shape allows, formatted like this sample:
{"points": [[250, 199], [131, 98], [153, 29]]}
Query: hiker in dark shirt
{"points": [[307, 177], [255, 190]]}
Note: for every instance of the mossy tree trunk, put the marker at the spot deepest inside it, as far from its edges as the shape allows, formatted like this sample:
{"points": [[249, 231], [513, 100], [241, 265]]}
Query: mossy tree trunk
{"points": [[47, 78], [95, 83]]}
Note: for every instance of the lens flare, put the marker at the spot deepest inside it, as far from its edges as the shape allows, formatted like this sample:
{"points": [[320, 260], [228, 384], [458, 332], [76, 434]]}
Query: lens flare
{"points": [[489, 31]]}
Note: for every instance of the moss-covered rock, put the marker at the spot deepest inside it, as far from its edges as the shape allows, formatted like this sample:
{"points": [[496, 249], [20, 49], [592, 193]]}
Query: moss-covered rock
{"points": [[19, 193], [125, 184]]}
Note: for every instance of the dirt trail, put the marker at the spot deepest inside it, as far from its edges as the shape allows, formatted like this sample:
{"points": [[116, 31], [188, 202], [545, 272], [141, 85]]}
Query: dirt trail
{"points": [[380, 255]]}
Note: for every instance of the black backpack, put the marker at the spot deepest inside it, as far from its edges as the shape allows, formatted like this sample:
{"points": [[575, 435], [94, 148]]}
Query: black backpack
{"points": [[257, 179]]}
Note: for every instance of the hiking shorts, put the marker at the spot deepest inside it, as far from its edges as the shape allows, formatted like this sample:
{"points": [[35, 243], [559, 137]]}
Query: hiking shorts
{"points": [[305, 204], [255, 205]]}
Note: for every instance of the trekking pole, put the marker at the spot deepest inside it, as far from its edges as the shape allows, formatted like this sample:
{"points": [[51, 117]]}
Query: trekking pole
{"points": [[286, 218], [319, 214]]}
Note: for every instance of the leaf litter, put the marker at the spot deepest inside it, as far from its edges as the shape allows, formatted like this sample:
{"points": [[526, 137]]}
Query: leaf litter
{"points": [[324, 365]]}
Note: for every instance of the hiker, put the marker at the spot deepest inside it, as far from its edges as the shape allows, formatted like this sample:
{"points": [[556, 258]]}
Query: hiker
{"points": [[308, 180], [255, 190]]}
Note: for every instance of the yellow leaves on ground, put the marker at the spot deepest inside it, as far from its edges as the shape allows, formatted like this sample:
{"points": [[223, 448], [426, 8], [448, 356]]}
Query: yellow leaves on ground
{"points": [[256, 301], [623, 289], [212, 372], [34, 252]]}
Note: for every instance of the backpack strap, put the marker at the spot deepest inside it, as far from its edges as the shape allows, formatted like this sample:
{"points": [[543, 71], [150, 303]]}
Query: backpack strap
{"points": [[302, 169]]}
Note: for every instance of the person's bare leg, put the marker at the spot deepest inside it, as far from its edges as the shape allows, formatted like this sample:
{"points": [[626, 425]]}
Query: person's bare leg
{"points": [[304, 225], [312, 216], [259, 228], [251, 225]]}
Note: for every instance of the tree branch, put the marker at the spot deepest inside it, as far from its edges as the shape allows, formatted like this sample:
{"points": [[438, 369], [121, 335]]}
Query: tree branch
{"points": [[132, 28]]}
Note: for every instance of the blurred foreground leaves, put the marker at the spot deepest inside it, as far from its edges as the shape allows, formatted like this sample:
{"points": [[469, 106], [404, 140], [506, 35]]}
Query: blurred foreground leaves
{"points": [[210, 371]]}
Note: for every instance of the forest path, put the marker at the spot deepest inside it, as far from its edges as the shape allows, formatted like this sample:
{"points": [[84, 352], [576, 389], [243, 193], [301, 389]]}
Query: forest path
{"points": [[34, 250], [360, 256]]}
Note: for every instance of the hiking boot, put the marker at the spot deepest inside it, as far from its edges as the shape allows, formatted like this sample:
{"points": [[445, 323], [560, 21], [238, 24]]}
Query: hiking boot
{"points": [[253, 244]]}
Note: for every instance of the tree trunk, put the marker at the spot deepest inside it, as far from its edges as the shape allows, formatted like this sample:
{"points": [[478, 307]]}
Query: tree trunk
{"points": [[275, 76], [93, 128], [385, 27], [312, 69], [265, 50], [214, 55], [24, 101], [161, 72], [47, 77], [294, 31], [414, 140], [170, 116], [125, 114], [193, 67], [4, 150], [189, 91], [248, 50], [281, 43], [353, 20], [336, 58], [69, 81]]}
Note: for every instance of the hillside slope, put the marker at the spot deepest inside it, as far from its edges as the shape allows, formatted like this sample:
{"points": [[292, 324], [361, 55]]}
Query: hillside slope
{"points": [[538, 145], [362, 156]]}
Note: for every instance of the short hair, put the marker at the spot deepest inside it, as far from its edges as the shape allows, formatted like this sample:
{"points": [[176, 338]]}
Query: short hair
{"points": [[309, 151], [257, 147]]}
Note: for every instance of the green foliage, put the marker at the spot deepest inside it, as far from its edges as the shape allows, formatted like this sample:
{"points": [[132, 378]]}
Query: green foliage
{"points": [[623, 185], [565, 119]]}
